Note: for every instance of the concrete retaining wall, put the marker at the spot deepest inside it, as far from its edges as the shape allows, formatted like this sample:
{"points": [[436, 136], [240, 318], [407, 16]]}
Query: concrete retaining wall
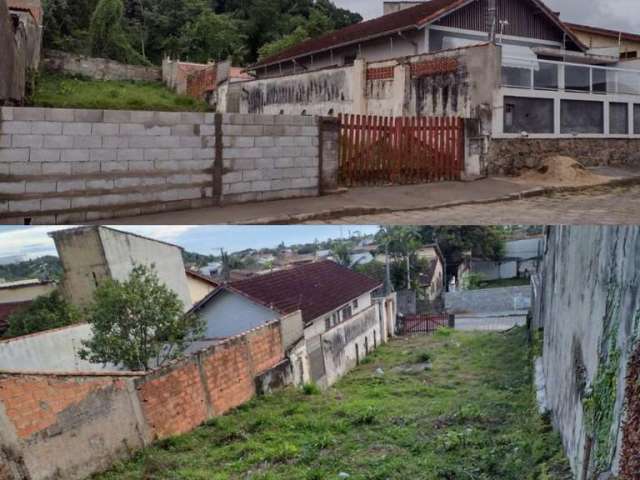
{"points": [[491, 300], [98, 68], [71, 166], [510, 156], [72, 425], [589, 307]]}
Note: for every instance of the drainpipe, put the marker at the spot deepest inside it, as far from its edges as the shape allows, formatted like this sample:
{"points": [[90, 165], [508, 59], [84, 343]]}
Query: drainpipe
{"points": [[491, 20]]}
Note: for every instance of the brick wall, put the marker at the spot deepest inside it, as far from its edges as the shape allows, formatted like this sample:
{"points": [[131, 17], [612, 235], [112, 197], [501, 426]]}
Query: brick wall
{"points": [[173, 401], [71, 166], [268, 157]]}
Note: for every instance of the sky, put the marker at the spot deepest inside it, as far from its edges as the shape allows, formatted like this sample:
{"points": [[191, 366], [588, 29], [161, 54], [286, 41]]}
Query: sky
{"points": [[32, 242], [613, 14]]}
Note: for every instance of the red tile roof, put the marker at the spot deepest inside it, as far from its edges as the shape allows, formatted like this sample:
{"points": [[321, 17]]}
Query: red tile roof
{"points": [[6, 309], [315, 289], [406, 19]]}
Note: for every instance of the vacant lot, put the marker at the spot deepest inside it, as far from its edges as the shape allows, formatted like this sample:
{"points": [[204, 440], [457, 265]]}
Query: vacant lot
{"points": [[470, 416], [62, 91]]}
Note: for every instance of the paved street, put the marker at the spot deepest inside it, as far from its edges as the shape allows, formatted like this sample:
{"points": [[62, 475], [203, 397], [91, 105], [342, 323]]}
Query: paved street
{"points": [[601, 206]]}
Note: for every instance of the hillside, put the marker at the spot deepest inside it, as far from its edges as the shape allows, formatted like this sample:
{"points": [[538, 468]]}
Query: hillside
{"points": [[144, 31]]}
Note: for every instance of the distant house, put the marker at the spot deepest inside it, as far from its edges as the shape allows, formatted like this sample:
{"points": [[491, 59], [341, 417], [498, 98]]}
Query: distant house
{"points": [[199, 285], [18, 295], [521, 259], [212, 269], [324, 294]]}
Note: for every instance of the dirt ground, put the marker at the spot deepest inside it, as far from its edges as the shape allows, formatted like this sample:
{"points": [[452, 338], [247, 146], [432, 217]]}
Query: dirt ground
{"points": [[560, 171]]}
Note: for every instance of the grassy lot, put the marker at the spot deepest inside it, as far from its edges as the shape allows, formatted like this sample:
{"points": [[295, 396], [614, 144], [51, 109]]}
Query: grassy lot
{"points": [[63, 91], [472, 416]]}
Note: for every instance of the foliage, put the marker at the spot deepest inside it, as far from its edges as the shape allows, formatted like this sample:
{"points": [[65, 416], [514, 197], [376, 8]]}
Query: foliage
{"points": [[41, 267], [107, 36], [472, 416], [341, 253], [310, 389], [62, 91], [197, 30], [483, 242], [138, 323], [472, 281], [45, 313], [213, 37]]}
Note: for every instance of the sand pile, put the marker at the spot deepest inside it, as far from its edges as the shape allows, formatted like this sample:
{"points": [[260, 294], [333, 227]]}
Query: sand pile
{"points": [[559, 170]]}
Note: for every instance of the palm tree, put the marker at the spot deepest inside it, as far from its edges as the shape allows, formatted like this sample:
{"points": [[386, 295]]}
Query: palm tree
{"points": [[401, 243], [341, 253]]}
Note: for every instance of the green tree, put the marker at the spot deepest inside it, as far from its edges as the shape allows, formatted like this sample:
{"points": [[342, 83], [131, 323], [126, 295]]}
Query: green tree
{"points": [[107, 35], [341, 252], [401, 242], [138, 323], [213, 37], [45, 313], [484, 242]]}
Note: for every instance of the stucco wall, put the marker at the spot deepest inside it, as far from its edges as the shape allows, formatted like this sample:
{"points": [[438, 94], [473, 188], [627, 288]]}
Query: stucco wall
{"points": [[231, 314], [198, 289], [123, 251], [589, 307], [51, 351], [491, 300], [348, 343], [97, 68], [26, 293]]}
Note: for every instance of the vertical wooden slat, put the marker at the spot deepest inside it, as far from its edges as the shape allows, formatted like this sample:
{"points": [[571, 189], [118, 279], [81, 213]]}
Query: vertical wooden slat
{"points": [[461, 147], [369, 152]]}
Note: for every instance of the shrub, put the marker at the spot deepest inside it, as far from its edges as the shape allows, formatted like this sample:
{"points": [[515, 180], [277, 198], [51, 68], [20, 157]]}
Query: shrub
{"points": [[45, 313], [310, 389]]}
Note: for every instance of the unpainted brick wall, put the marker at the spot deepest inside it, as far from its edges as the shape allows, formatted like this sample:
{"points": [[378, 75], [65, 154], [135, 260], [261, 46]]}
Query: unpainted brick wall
{"points": [[75, 425]]}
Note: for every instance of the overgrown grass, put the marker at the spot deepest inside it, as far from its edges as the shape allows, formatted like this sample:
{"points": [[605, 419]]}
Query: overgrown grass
{"points": [[63, 91], [472, 416]]}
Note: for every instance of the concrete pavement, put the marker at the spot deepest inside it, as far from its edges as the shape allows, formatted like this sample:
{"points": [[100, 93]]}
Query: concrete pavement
{"points": [[362, 202]]}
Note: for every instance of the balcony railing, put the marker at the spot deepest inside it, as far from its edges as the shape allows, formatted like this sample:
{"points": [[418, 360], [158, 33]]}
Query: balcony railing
{"points": [[569, 77]]}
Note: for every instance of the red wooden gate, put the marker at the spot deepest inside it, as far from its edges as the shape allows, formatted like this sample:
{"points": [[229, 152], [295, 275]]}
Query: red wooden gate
{"points": [[377, 150], [422, 323]]}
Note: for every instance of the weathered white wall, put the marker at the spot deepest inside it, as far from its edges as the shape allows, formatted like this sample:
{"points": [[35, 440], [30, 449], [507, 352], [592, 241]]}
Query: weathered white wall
{"points": [[589, 306], [198, 289], [489, 270], [123, 251], [26, 293], [348, 343], [52, 351]]}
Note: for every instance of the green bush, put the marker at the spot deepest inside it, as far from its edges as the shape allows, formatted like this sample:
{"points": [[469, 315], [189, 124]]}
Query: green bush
{"points": [[45, 313], [310, 389]]}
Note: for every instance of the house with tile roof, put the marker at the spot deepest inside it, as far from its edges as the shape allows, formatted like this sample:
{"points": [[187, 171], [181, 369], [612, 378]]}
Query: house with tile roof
{"points": [[340, 320]]}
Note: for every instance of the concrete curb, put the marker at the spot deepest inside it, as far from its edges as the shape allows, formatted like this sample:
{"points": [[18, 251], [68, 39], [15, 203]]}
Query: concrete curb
{"points": [[360, 211]]}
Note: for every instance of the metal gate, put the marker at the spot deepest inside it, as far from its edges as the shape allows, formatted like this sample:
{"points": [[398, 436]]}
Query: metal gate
{"points": [[377, 150], [422, 323]]}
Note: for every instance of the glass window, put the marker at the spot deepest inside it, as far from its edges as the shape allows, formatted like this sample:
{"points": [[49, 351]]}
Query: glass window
{"points": [[516, 77], [346, 313], [545, 77], [636, 119], [577, 116], [577, 78], [628, 83], [618, 118], [355, 304], [530, 115], [601, 80]]}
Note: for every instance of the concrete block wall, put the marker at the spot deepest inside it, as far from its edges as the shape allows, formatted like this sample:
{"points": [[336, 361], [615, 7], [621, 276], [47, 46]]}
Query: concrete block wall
{"points": [[491, 300], [72, 425], [72, 166], [269, 157], [68, 165]]}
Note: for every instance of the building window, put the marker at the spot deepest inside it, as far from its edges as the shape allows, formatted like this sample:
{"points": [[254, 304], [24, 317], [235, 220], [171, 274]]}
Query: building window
{"points": [[577, 78], [327, 323], [618, 118], [355, 304], [346, 313], [628, 55], [349, 60], [530, 115], [636, 119], [578, 116]]}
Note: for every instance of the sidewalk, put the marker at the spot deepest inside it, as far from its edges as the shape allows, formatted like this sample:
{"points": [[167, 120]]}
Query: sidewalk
{"points": [[375, 200]]}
